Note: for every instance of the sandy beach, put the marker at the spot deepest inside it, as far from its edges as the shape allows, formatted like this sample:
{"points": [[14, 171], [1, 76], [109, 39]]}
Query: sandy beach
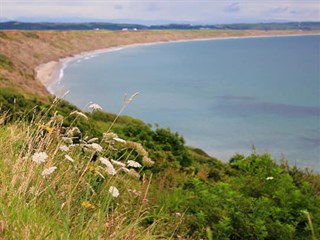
{"points": [[52, 72]]}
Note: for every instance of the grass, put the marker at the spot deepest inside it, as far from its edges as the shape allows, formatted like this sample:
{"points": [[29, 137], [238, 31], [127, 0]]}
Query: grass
{"points": [[73, 201]]}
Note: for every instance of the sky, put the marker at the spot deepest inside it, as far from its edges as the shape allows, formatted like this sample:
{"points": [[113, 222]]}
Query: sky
{"points": [[162, 11]]}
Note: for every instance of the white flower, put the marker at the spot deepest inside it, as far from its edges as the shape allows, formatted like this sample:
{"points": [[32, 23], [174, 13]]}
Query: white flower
{"points": [[95, 106], [118, 163], [40, 157], [120, 140], [114, 191], [79, 114], [110, 168], [69, 158], [64, 148], [108, 136], [269, 178], [48, 171], [134, 164], [96, 147]]}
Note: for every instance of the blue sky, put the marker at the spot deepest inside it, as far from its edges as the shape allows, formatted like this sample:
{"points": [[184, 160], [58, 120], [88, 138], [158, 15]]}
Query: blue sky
{"points": [[143, 11]]}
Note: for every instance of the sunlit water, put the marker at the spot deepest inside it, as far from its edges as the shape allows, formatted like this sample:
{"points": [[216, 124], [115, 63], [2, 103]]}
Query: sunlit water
{"points": [[223, 96]]}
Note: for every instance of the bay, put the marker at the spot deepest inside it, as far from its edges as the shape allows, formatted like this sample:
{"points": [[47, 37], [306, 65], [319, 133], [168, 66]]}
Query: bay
{"points": [[223, 96]]}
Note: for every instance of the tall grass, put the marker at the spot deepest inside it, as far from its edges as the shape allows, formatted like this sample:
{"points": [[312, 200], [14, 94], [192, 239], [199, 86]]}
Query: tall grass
{"points": [[57, 183]]}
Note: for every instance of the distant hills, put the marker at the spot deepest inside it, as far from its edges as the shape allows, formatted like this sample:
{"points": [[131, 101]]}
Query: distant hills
{"points": [[10, 25]]}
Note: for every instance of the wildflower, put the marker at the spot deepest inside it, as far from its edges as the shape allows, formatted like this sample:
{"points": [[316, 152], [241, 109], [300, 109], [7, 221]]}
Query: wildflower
{"points": [[147, 161], [109, 136], [64, 148], [269, 178], [87, 204], [95, 106], [48, 171], [134, 173], [79, 114], [68, 158], [118, 163], [47, 128], [40, 157], [110, 168], [119, 140], [134, 164], [114, 191], [96, 147]]}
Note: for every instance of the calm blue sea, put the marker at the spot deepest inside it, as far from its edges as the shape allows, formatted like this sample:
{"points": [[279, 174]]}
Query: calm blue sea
{"points": [[222, 95]]}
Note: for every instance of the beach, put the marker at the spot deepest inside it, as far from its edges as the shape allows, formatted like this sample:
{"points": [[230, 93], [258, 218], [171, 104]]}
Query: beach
{"points": [[52, 72]]}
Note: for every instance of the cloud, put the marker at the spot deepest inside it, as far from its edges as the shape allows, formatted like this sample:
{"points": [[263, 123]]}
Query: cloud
{"points": [[233, 7]]}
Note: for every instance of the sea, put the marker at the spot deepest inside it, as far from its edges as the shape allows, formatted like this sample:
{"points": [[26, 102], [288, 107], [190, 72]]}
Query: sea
{"points": [[224, 96]]}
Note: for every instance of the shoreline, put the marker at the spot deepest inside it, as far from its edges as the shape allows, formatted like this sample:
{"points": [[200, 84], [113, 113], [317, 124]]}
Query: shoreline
{"points": [[51, 73]]}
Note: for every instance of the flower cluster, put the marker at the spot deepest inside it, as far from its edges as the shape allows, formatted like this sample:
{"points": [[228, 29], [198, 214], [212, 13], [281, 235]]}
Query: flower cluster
{"points": [[100, 155]]}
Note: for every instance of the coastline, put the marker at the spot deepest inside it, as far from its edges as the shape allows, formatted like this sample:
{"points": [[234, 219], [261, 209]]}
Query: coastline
{"points": [[51, 73]]}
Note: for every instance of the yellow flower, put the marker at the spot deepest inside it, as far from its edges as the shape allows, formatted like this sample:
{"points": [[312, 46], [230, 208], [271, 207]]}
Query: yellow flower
{"points": [[47, 128], [87, 204]]}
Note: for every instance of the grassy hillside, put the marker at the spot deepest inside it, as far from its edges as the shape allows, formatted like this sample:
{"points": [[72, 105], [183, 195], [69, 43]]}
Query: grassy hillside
{"points": [[66, 174], [71, 175]]}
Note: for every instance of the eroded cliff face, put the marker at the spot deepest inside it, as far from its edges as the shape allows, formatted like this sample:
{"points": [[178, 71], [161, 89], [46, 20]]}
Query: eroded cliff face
{"points": [[22, 51]]}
